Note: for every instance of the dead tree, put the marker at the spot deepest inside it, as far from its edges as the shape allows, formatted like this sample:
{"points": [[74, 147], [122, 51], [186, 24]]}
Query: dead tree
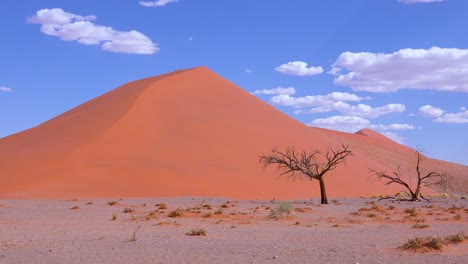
{"points": [[431, 178], [302, 164]]}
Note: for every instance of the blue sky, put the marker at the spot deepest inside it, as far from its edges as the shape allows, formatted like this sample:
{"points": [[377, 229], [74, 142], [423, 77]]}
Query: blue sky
{"points": [[398, 67]]}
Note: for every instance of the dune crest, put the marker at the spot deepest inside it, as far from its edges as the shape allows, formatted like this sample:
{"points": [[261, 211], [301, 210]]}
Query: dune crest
{"points": [[189, 132]]}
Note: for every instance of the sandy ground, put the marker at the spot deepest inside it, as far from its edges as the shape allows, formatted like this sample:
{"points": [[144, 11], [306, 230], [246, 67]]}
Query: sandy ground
{"points": [[347, 230]]}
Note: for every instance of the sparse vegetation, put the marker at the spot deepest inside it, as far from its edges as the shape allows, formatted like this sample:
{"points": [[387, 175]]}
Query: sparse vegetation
{"points": [[196, 232], [112, 203], [128, 210], [219, 211], [411, 211], [114, 217], [207, 206], [420, 226], [283, 210], [161, 206], [432, 243], [424, 244], [457, 238], [75, 207], [133, 239], [175, 213]]}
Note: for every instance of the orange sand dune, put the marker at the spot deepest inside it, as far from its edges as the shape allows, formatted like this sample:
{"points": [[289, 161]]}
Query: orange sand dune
{"points": [[189, 132]]}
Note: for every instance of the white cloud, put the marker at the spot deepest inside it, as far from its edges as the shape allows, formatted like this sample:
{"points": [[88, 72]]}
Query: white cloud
{"points": [[298, 68], [314, 100], [456, 118], [419, 1], [441, 116], [72, 27], [352, 124], [393, 127], [276, 91], [441, 69], [248, 71], [5, 89], [361, 110], [341, 123], [431, 111], [156, 3]]}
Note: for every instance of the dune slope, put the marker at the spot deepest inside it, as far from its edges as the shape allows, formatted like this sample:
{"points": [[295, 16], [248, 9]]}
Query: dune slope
{"points": [[189, 132]]}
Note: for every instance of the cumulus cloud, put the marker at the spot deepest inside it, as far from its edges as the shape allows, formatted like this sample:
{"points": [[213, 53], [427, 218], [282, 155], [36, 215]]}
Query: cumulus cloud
{"points": [[441, 116], [419, 1], [431, 111], [5, 89], [440, 69], [72, 27], [314, 100], [298, 68], [156, 3], [352, 124], [361, 110], [276, 91], [341, 123], [455, 118]]}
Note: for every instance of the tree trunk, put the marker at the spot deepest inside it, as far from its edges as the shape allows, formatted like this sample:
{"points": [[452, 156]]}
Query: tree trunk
{"points": [[323, 192]]}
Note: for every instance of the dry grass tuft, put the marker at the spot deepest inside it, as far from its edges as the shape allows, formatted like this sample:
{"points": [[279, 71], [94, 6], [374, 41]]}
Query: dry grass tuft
{"points": [[196, 232], [175, 213], [283, 210], [432, 243], [128, 210]]}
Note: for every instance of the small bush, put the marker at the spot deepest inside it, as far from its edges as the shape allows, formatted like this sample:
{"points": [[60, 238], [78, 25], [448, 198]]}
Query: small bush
{"points": [[196, 232], [114, 217], [75, 207], [283, 210], [175, 213], [219, 211], [112, 203], [455, 239], [411, 211], [424, 244], [420, 226], [128, 210], [162, 206], [207, 206]]}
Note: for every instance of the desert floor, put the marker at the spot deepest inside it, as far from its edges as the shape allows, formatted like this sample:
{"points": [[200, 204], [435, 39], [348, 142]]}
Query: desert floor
{"points": [[348, 230]]}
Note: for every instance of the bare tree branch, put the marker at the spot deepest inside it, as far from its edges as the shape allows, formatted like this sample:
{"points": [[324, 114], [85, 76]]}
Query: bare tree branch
{"points": [[298, 164], [431, 178]]}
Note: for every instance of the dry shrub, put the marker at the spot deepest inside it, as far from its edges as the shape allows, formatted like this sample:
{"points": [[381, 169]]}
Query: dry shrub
{"points": [[196, 232], [283, 210]]}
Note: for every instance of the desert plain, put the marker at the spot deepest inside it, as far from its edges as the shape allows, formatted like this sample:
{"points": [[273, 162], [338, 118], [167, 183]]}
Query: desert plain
{"points": [[159, 230]]}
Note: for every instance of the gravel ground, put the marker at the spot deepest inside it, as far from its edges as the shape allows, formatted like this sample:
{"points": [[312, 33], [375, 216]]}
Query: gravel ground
{"points": [[347, 230]]}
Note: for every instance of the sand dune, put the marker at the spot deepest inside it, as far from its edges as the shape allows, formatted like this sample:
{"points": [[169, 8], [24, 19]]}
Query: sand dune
{"points": [[189, 132]]}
